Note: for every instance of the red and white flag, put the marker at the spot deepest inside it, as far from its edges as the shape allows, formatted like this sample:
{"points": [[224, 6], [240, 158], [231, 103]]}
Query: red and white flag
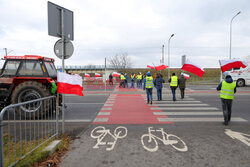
{"points": [[193, 68], [151, 67], [161, 67], [86, 75], [115, 74], [185, 75], [97, 75], [69, 84], [232, 63]]}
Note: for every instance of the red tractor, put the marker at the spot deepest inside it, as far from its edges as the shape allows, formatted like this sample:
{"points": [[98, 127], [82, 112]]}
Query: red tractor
{"points": [[25, 78]]}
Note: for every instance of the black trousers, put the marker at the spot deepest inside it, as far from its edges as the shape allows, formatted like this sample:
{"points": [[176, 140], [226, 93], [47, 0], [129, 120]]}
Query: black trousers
{"points": [[227, 109], [182, 90]]}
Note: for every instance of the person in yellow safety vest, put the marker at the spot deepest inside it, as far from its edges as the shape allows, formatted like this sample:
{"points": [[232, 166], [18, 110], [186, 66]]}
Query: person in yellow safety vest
{"points": [[148, 85], [132, 76], [227, 90], [122, 81], [173, 85], [139, 80]]}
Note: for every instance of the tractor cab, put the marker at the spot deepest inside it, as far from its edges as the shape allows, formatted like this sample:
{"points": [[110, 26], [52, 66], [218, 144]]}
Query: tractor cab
{"points": [[25, 78]]}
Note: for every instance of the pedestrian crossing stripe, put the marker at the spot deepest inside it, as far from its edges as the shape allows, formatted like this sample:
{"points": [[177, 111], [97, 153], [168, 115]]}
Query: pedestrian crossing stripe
{"points": [[196, 119], [171, 105], [187, 113], [156, 103], [184, 108]]}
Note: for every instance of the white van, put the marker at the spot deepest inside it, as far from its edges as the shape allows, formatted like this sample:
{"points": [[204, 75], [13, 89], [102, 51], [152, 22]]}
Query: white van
{"points": [[241, 75]]}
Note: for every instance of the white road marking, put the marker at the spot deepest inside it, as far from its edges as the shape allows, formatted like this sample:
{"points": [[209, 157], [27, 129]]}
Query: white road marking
{"points": [[188, 113], [100, 133], [167, 139], [101, 120], [108, 104], [196, 119], [104, 113], [171, 99], [106, 109], [110, 101], [156, 103], [184, 108], [244, 138], [171, 105]]}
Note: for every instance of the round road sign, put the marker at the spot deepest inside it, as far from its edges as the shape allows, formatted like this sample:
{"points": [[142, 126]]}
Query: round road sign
{"points": [[69, 49]]}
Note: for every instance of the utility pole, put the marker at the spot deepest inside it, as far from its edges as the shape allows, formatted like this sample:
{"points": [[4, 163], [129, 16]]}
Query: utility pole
{"points": [[6, 51]]}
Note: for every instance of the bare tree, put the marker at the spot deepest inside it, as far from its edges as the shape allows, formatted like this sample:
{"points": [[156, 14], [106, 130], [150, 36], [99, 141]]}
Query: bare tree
{"points": [[120, 61]]}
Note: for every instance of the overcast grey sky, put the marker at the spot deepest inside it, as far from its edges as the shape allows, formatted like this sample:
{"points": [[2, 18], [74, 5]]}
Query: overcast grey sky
{"points": [[104, 28]]}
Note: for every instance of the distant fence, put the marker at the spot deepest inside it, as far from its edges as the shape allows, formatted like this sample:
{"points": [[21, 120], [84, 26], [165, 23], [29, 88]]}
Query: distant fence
{"points": [[24, 127]]}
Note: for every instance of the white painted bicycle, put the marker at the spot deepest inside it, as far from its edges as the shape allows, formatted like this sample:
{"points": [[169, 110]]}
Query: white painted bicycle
{"points": [[149, 141], [100, 133]]}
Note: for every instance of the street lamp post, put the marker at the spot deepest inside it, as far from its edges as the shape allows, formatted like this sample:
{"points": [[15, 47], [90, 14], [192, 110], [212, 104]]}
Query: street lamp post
{"points": [[169, 55], [162, 60], [231, 34]]}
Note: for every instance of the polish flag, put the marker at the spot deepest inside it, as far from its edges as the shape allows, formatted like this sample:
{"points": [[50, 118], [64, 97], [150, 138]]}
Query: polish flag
{"points": [[161, 67], [151, 67], [115, 74], [87, 75], [193, 68], [229, 64], [97, 75], [185, 75], [69, 84]]}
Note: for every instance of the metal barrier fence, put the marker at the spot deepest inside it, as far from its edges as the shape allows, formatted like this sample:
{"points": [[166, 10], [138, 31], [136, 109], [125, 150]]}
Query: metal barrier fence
{"points": [[24, 127]]}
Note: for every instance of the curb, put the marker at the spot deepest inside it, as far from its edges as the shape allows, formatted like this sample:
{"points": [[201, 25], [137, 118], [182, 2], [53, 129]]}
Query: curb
{"points": [[51, 148]]}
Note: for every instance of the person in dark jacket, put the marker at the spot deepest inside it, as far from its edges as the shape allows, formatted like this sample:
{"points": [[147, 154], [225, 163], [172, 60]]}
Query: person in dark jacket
{"points": [[110, 79], [158, 85], [227, 90], [126, 80], [182, 85]]}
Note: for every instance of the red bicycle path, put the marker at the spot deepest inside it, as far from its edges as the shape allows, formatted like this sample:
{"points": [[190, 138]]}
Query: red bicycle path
{"points": [[128, 108]]}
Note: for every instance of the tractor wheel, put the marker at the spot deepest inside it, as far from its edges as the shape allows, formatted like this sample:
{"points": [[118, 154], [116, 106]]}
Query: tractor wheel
{"points": [[27, 91]]}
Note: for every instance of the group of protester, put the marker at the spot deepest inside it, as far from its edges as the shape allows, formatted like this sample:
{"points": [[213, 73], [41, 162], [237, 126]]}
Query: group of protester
{"points": [[150, 82], [227, 90], [124, 78]]}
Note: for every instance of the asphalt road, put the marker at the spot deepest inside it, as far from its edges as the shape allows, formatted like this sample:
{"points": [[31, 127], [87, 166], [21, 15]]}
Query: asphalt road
{"points": [[192, 134]]}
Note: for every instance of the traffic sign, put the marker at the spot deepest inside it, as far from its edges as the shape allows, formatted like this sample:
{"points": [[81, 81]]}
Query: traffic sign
{"points": [[58, 49], [57, 20]]}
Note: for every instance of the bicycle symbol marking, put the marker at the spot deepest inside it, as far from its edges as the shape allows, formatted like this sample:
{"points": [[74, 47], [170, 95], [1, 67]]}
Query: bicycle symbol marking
{"points": [[149, 140], [100, 133]]}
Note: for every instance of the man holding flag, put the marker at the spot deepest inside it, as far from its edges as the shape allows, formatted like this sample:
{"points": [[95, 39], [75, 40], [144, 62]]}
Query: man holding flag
{"points": [[227, 90]]}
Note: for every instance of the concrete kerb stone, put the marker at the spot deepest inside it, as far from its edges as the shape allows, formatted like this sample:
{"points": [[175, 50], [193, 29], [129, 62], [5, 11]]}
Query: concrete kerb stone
{"points": [[51, 148]]}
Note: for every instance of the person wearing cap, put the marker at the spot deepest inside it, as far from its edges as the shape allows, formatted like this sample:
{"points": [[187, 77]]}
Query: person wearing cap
{"points": [[182, 85], [148, 86], [227, 90], [173, 85]]}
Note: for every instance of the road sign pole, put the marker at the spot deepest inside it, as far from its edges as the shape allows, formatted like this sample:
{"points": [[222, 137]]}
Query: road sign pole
{"points": [[63, 54]]}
